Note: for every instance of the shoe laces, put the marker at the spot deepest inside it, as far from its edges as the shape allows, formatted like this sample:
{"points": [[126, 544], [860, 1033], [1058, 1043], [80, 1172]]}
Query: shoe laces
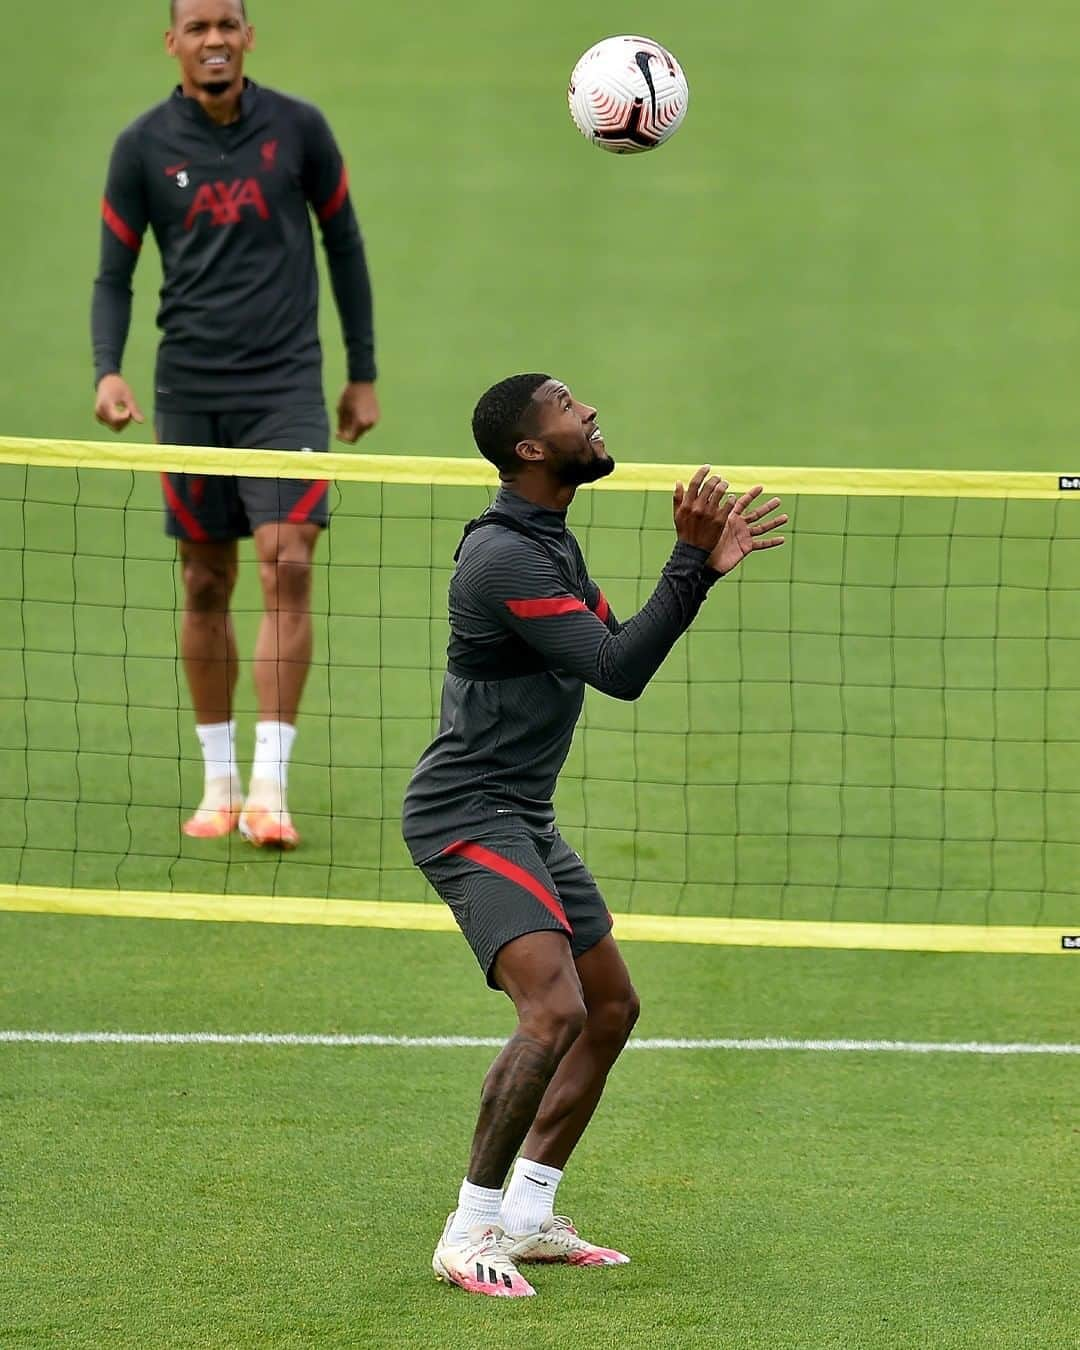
{"points": [[562, 1232], [493, 1246]]}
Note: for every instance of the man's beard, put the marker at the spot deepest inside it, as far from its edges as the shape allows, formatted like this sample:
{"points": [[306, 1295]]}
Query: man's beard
{"points": [[575, 472], [215, 88]]}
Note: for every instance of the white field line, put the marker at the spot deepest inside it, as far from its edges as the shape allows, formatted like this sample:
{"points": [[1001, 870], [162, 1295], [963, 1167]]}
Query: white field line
{"points": [[260, 1038]]}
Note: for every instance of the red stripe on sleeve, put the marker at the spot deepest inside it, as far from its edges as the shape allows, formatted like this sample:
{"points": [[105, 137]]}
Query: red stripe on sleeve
{"points": [[495, 862], [120, 228], [337, 201], [180, 511], [603, 609], [545, 609], [309, 501]]}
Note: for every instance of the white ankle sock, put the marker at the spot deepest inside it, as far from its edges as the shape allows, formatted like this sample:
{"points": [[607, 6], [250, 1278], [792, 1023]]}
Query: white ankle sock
{"points": [[218, 741], [530, 1197], [273, 746], [477, 1207]]}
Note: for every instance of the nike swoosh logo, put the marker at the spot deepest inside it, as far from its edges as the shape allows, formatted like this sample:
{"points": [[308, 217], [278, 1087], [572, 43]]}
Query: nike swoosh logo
{"points": [[535, 1182], [643, 59]]}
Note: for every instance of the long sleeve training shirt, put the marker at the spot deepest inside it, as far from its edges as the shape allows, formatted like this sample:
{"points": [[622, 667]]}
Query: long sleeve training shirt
{"points": [[529, 629], [229, 209]]}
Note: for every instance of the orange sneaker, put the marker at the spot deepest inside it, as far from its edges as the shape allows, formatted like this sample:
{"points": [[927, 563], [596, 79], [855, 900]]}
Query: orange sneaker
{"points": [[219, 811], [268, 829], [265, 820]]}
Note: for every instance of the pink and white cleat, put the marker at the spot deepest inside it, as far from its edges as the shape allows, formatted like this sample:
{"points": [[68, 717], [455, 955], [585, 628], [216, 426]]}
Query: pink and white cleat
{"points": [[557, 1240], [218, 812], [480, 1265]]}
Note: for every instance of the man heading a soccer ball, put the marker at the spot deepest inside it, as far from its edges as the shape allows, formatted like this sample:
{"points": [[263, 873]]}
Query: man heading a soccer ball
{"points": [[529, 628]]}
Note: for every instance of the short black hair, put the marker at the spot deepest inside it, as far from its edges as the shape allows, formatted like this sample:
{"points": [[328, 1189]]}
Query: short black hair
{"points": [[172, 11], [504, 415]]}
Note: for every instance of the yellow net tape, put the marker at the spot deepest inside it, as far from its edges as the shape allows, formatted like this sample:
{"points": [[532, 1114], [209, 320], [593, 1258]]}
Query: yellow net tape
{"points": [[472, 471], [432, 918]]}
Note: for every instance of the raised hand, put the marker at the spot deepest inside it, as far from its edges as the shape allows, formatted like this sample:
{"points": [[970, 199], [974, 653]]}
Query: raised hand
{"points": [[746, 530], [701, 509]]}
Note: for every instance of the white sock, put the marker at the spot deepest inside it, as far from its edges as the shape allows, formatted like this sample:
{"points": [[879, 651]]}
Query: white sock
{"points": [[530, 1197], [273, 746], [218, 741], [477, 1206]]}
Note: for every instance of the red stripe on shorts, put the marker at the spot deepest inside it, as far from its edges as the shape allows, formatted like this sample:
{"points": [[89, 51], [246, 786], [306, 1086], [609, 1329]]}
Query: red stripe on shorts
{"points": [[494, 862], [309, 501], [545, 609], [603, 609], [181, 512]]}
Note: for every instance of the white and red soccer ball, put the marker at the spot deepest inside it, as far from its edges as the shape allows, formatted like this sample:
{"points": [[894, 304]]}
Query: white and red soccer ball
{"points": [[627, 94]]}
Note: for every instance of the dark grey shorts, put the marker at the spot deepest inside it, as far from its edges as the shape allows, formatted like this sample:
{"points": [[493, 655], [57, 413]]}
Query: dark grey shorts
{"points": [[514, 882], [217, 507]]}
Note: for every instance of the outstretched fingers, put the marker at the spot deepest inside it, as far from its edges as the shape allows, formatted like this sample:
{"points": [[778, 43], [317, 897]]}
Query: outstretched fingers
{"points": [[763, 527], [760, 521], [760, 525], [689, 494], [743, 501]]}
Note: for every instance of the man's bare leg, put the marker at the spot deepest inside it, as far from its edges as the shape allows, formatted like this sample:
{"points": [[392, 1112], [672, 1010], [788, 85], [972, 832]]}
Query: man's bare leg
{"points": [[208, 652], [207, 640], [577, 1086], [284, 644], [283, 650], [537, 972], [564, 1112]]}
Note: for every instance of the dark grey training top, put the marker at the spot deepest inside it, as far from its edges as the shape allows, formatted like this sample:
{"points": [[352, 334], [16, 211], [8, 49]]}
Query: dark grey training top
{"points": [[529, 628], [229, 207]]}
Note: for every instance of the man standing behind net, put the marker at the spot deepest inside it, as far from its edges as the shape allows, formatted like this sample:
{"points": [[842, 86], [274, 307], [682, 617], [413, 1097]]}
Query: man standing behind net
{"points": [[224, 173], [529, 628]]}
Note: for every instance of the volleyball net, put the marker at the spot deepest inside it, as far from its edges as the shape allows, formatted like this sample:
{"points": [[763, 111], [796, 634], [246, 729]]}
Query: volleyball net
{"points": [[873, 725]]}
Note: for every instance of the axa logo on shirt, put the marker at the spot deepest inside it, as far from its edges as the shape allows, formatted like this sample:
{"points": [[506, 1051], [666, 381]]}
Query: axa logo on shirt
{"points": [[223, 202]]}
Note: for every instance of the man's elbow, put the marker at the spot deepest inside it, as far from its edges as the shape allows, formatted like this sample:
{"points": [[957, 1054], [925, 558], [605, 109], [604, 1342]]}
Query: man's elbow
{"points": [[626, 691]]}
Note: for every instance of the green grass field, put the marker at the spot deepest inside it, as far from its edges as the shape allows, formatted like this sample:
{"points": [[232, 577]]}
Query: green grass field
{"points": [[250, 1196], [858, 251]]}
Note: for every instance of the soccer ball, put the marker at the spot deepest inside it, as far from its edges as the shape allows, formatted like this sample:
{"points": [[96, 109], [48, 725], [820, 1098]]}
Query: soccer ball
{"points": [[627, 94]]}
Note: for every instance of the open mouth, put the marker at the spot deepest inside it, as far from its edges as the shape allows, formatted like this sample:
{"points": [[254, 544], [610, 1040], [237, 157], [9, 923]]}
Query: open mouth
{"points": [[215, 62]]}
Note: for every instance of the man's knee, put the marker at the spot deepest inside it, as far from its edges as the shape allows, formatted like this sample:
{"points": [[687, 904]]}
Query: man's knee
{"points": [[556, 1022], [612, 1021], [285, 566], [207, 586], [288, 577]]}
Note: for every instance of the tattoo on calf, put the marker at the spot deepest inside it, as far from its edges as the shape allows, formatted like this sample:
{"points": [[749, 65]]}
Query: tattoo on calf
{"points": [[513, 1089]]}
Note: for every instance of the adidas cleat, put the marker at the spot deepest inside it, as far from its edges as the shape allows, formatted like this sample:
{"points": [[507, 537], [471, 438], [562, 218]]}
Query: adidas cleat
{"points": [[480, 1264], [558, 1240]]}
